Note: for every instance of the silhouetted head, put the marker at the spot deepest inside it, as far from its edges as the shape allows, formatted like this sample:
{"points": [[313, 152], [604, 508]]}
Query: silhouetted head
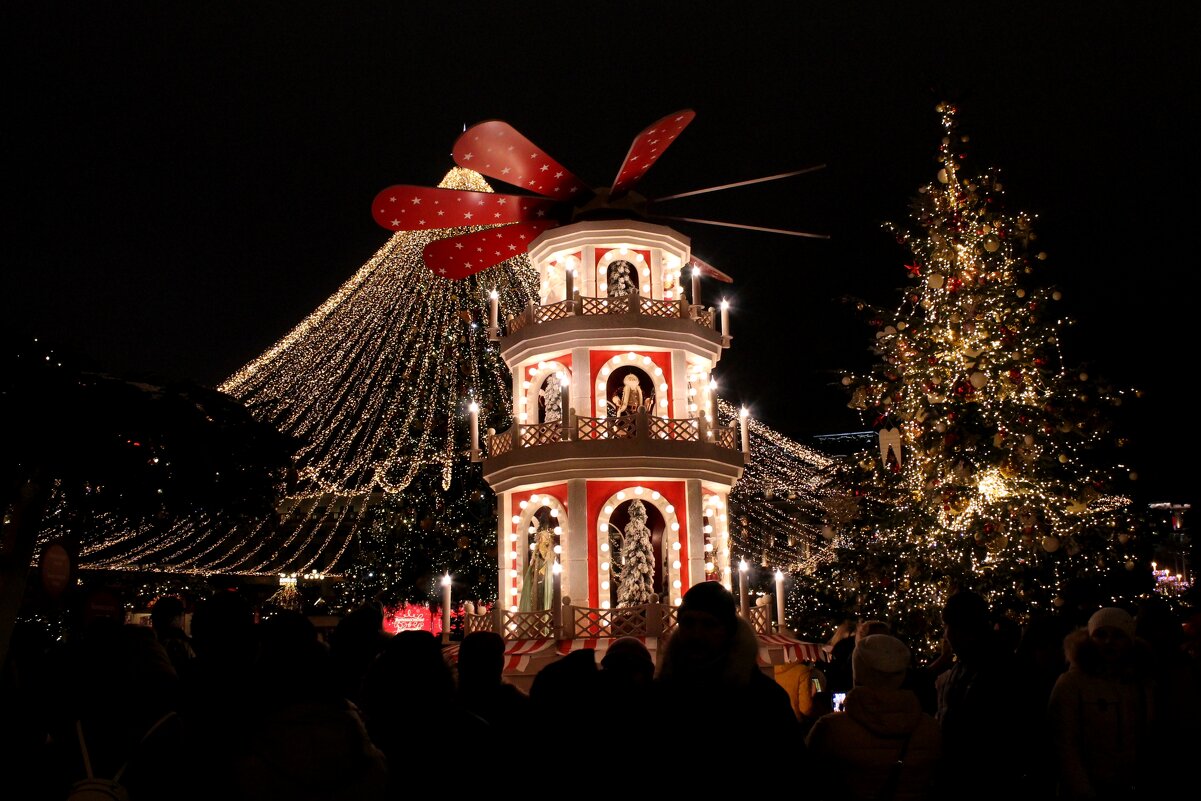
{"points": [[629, 660], [706, 621], [166, 612], [880, 660], [968, 625], [481, 658]]}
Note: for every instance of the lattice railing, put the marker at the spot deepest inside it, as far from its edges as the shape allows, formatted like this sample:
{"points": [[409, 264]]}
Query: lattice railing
{"points": [[669, 620], [519, 322], [528, 625], [659, 308], [760, 618], [629, 621], [540, 434], [555, 311], [500, 443], [623, 427], [687, 429], [704, 317], [726, 438], [477, 622]]}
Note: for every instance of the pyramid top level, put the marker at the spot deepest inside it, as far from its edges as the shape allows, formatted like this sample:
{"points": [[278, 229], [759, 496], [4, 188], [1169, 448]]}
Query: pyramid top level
{"points": [[658, 255]]}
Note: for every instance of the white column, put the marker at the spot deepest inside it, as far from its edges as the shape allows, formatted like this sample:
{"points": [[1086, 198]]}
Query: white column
{"points": [[504, 572], [695, 518], [581, 383], [575, 543], [679, 385]]}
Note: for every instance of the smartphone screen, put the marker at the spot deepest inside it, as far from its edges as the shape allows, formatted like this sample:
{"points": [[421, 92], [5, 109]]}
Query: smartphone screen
{"points": [[839, 701]]}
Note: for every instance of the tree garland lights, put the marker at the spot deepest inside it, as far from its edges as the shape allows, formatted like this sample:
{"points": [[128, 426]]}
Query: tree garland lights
{"points": [[993, 470]]}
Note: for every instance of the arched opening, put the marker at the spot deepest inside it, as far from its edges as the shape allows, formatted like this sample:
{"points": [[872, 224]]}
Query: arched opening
{"points": [[615, 390], [622, 528]]}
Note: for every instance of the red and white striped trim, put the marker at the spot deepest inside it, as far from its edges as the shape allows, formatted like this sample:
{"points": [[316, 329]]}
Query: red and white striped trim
{"points": [[600, 644], [793, 650]]}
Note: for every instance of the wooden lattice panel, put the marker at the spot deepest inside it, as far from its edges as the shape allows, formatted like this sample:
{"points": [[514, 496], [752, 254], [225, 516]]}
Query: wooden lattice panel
{"points": [[528, 625], [517, 323], [760, 619], [473, 623], [627, 621], [669, 621], [726, 438], [705, 317], [500, 443], [555, 311], [686, 429], [541, 434], [659, 308], [594, 305]]}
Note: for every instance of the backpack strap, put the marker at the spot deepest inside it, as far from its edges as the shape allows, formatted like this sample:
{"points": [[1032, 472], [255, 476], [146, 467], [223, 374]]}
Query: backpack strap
{"points": [[83, 749], [145, 737], [894, 776]]}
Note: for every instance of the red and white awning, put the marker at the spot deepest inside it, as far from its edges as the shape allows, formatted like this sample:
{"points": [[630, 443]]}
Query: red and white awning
{"points": [[792, 650]]}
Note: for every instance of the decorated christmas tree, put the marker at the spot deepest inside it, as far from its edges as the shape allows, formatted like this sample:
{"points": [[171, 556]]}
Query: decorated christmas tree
{"points": [[637, 560], [995, 469]]}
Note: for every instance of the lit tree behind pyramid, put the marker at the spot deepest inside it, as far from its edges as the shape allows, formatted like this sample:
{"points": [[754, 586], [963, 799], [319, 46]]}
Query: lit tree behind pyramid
{"points": [[375, 385], [994, 468]]}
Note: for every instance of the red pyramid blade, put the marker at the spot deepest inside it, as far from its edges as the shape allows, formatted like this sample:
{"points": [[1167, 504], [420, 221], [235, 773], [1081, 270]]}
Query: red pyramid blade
{"points": [[417, 208], [710, 270], [648, 146], [495, 148], [461, 256]]}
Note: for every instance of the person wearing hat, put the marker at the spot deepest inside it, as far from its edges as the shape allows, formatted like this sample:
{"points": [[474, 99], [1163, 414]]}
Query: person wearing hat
{"points": [[710, 685], [1100, 709], [883, 746]]}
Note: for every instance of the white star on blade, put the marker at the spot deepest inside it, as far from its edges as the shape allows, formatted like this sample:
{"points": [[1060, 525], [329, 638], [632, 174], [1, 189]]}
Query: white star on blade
{"points": [[392, 199], [416, 201], [467, 216], [442, 271], [396, 222], [466, 265], [512, 247], [545, 167], [505, 171], [559, 174], [496, 214], [468, 156], [501, 201], [421, 222], [459, 245]]}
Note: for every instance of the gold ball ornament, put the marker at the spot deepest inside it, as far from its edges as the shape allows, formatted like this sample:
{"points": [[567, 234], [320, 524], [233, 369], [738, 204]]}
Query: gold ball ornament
{"points": [[1042, 255], [943, 178], [991, 243], [1050, 544], [1028, 439], [1130, 564], [846, 380], [1133, 476], [1021, 293], [978, 379], [1084, 376], [1063, 458], [1057, 295], [1123, 538], [1057, 601]]}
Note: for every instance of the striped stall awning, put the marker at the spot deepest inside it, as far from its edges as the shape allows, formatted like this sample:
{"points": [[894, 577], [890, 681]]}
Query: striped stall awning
{"points": [[793, 650], [601, 644]]}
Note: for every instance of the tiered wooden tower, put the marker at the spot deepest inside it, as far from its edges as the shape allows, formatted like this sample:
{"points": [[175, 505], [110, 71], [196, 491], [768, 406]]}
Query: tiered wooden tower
{"points": [[614, 403], [613, 482]]}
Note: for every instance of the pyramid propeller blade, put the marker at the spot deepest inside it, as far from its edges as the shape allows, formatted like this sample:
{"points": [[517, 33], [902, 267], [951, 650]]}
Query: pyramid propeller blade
{"points": [[495, 148], [646, 149], [417, 208], [460, 256], [709, 270]]}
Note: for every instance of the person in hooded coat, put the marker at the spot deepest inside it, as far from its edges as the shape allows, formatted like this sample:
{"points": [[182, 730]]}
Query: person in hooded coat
{"points": [[1100, 710], [883, 746]]}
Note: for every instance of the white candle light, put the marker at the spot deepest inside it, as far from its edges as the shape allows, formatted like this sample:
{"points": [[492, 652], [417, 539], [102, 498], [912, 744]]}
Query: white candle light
{"points": [[446, 608], [696, 286], [569, 292], [744, 417], [780, 601], [474, 408], [744, 602], [725, 318], [493, 310]]}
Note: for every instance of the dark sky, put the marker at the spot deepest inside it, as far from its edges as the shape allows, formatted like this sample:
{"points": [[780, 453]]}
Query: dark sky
{"points": [[186, 181]]}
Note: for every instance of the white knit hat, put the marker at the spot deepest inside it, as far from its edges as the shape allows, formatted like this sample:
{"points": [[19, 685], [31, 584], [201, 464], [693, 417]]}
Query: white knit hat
{"points": [[880, 660], [1112, 617]]}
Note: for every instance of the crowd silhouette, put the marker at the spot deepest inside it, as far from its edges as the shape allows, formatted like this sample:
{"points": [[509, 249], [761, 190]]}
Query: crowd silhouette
{"points": [[242, 710]]}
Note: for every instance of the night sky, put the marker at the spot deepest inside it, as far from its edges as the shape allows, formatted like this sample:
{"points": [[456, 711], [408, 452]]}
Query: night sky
{"points": [[186, 181]]}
